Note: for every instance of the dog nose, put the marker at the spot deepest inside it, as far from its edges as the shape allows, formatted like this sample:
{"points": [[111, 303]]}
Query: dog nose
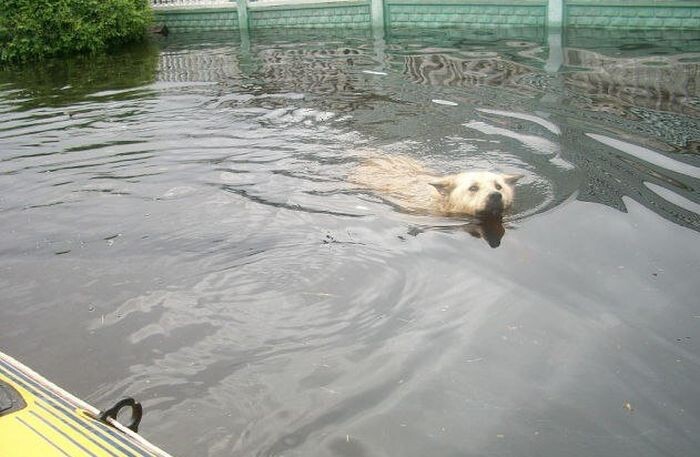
{"points": [[495, 197]]}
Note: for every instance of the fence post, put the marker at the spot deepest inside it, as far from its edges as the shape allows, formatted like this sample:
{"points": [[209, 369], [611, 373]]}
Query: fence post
{"points": [[555, 20], [555, 13], [555, 56], [242, 7], [376, 12]]}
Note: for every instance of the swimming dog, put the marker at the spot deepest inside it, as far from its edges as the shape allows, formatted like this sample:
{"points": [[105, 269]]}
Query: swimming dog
{"points": [[406, 183]]}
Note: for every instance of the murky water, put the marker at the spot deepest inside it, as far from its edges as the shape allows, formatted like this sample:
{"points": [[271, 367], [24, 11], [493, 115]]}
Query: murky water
{"points": [[177, 226]]}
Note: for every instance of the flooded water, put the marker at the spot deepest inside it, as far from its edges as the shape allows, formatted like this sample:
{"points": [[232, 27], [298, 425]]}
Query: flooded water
{"points": [[177, 225]]}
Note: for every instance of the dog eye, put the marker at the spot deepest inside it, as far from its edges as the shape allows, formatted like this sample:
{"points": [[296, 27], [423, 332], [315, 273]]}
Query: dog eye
{"points": [[474, 188], [498, 186]]}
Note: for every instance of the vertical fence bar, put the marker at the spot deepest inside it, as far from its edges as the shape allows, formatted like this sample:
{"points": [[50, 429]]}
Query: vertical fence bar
{"points": [[376, 12], [555, 20], [243, 23], [242, 7], [555, 13], [555, 55]]}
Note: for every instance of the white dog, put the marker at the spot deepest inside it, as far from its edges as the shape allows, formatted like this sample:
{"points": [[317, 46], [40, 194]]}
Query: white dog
{"points": [[407, 183]]}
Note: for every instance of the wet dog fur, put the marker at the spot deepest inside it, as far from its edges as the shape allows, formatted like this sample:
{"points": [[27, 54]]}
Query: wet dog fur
{"points": [[406, 183]]}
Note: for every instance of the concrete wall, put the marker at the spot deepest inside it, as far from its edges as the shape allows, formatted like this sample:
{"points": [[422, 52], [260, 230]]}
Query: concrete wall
{"points": [[350, 14], [391, 14], [198, 19], [465, 13], [633, 14]]}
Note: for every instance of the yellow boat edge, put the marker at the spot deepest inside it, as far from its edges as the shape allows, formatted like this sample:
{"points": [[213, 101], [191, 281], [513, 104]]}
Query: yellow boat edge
{"points": [[40, 419]]}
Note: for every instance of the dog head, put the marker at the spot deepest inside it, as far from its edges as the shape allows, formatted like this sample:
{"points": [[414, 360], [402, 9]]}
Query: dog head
{"points": [[479, 193]]}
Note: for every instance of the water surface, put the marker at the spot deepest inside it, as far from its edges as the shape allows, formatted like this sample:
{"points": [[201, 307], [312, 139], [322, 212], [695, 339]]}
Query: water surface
{"points": [[177, 226]]}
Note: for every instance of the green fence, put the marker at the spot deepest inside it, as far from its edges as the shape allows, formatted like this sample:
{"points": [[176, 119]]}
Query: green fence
{"points": [[479, 14], [633, 14], [188, 15], [337, 14]]}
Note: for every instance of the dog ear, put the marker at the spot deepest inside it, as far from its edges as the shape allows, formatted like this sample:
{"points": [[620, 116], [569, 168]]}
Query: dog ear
{"points": [[512, 179], [444, 185]]}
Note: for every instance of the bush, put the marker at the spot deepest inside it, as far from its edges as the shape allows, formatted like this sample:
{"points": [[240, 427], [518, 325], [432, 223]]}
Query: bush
{"points": [[35, 29]]}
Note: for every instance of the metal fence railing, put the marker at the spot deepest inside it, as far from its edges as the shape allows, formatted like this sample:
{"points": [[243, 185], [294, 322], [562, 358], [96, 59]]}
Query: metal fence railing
{"points": [[210, 3], [190, 3]]}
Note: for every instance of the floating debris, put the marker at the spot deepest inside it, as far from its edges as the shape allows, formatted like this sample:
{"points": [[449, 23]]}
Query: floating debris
{"points": [[319, 294], [444, 102], [526, 117]]}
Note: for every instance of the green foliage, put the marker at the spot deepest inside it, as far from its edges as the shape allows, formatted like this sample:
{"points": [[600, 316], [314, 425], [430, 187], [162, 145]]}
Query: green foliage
{"points": [[73, 80], [35, 29]]}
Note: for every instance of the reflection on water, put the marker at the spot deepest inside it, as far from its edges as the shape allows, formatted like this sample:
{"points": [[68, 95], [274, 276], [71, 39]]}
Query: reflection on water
{"points": [[179, 221], [67, 82], [490, 230]]}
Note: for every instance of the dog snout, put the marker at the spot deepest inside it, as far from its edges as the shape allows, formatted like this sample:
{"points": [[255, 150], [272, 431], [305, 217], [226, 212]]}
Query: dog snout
{"points": [[494, 203], [495, 197]]}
